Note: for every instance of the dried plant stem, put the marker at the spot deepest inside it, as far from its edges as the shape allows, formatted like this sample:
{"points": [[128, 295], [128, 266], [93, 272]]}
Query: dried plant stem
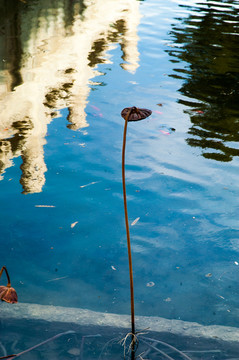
{"points": [[112, 341], [128, 239], [83, 341], [14, 356], [2, 347], [167, 345], [145, 353], [157, 350]]}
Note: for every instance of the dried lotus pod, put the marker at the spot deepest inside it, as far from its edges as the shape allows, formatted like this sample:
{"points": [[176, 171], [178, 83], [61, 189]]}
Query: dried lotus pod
{"points": [[135, 114], [8, 294]]}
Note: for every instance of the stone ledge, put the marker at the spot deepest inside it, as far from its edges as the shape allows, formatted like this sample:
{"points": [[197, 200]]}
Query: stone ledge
{"points": [[86, 317]]}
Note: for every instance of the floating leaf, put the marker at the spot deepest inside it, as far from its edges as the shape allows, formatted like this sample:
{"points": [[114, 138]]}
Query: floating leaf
{"points": [[98, 111], [56, 279], [165, 132], [208, 275], [113, 268], [135, 221], [95, 107], [74, 224], [221, 296], [45, 206], [92, 183], [164, 129]]}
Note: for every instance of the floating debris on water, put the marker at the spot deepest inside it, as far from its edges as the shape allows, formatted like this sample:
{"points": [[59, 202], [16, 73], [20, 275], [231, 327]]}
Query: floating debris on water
{"points": [[150, 284], [168, 299], [98, 111], [74, 351], [92, 183], [74, 224], [198, 111], [135, 221], [208, 275], [45, 206], [56, 279], [164, 129]]}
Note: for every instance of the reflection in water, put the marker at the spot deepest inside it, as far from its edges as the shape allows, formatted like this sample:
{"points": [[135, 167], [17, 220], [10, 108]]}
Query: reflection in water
{"points": [[50, 51], [208, 42], [11, 49]]}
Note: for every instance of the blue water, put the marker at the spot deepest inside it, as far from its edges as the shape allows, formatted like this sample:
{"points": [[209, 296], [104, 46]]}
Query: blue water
{"points": [[66, 245]]}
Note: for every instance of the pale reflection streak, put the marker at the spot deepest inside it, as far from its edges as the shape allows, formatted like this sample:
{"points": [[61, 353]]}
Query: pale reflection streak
{"points": [[55, 71]]}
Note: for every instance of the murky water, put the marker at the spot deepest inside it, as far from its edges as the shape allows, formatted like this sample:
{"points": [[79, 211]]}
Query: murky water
{"points": [[67, 69], [66, 341]]}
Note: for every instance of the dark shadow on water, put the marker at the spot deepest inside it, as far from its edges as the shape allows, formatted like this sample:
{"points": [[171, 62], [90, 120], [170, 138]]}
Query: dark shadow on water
{"points": [[208, 42], [10, 20], [101, 342]]}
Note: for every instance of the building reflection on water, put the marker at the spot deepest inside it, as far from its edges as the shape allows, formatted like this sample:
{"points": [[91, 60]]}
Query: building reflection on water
{"points": [[208, 42], [50, 51]]}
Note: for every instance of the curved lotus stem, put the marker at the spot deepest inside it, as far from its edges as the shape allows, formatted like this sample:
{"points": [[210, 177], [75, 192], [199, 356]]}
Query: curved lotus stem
{"points": [[7, 293], [127, 224], [130, 114], [8, 277]]}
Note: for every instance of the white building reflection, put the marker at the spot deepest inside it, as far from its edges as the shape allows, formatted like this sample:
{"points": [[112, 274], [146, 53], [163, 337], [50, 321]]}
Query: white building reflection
{"points": [[49, 66]]}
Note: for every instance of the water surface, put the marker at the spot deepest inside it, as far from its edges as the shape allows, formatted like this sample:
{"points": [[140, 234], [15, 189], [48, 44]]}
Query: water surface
{"points": [[67, 70]]}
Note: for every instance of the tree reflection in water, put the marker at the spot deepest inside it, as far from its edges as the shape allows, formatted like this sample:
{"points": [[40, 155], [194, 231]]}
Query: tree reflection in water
{"points": [[50, 53], [208, 43]]}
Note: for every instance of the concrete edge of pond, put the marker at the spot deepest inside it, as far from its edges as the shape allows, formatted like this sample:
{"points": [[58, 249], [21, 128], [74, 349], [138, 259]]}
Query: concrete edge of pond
{"points": [[88, 317]]}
